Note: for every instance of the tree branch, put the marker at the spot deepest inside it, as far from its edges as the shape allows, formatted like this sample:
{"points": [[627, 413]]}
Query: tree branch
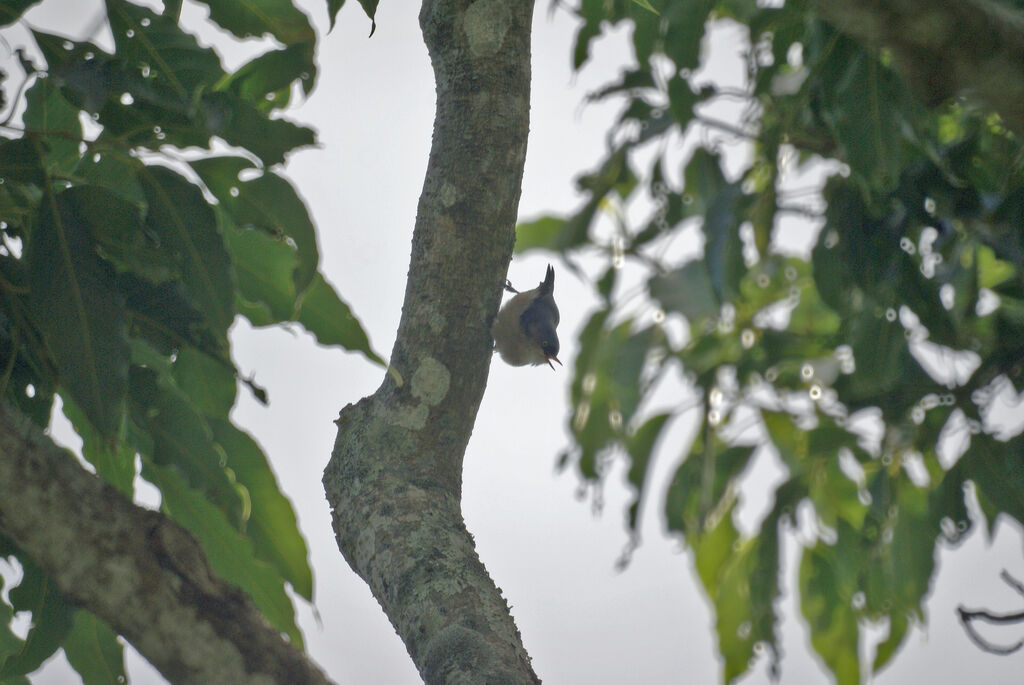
{"points": [[394, 481], [967, 619], [972, 47], [191, 625]]}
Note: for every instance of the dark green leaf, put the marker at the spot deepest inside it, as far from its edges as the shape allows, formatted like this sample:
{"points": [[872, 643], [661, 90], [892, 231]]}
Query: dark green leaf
{"points": [[333, 7], [271, 75], [681, 99], [242, 124], [997, 468], [324, 314], [21, 161], [11, 10], [685, 28], [186, 227], [257, 18], [75, 303]]}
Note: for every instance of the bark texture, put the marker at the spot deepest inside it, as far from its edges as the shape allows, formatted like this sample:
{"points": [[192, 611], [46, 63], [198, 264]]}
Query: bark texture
{"points": [[135, 569], [966, 47], [394, 480]]}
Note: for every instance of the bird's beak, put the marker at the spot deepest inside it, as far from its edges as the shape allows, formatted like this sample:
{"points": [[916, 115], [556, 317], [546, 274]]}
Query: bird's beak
{"points": [[549, 357]]}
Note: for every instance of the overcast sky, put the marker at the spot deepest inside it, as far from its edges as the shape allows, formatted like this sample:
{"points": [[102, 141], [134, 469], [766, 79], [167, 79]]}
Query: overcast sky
{"points": [[553, 556]]}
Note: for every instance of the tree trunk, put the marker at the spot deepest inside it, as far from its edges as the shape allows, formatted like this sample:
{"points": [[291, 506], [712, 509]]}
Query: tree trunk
{"points": [[394, 481], [137, 570]]}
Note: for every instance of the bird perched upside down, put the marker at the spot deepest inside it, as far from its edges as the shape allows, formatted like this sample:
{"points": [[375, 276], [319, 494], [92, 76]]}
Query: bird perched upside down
{"points": [[524, 330]]}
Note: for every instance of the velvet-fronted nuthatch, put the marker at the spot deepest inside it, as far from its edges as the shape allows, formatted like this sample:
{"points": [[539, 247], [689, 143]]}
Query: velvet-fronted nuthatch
{"points": [[524, 330]]}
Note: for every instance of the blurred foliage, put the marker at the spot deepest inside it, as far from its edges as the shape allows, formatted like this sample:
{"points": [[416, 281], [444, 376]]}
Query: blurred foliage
{"points": [[140, 212], [869, 364]]}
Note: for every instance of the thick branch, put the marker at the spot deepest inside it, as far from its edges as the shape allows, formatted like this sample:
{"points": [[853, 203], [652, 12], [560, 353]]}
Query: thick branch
{"points": [[137, 570], [972, 47], [395, 478]]}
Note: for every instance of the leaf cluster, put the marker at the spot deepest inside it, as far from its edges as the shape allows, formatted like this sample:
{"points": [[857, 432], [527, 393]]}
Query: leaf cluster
{"points": [[140, 212], [869, 366]]}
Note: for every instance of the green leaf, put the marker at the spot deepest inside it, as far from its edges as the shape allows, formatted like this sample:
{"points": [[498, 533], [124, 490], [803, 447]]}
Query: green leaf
{"points": [[163, 316], [272, 527], [117, 228], [229, 552], [684, 30], [264, 267], [369, 7], [544, 233], [639, 446], [113, 459], [175, 59], [257, 18], [324, 314], [997, 468], [827, 608], [181, 437], [898, 625], [242, 124], [186, 226], [688, 290], [93, 651], [646, 5], [51, 620], [267, 202], [208, 382], [75, 303], [703, 485], [333, 7], [681, 99], [271, 75], [113, 171]]}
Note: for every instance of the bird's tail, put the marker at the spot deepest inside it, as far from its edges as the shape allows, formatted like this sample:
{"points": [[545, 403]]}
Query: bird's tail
{"points": [[547, 286]]}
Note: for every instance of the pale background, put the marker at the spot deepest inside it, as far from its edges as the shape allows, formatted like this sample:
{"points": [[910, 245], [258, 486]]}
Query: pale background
{"points": [[552, 553]]}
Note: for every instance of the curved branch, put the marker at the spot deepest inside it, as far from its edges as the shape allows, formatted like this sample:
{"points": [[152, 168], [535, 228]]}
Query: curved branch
{"points": [[191, 625], [973, 47], [967, 619], [394, 481]]}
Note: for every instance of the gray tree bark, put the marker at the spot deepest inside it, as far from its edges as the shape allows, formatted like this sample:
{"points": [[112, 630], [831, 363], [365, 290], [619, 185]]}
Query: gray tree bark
{"points": [[137, 570], [967, 47], [394, 480]]}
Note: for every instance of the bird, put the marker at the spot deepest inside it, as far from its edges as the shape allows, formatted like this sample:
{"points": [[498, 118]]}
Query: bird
{"points": [[524, 329]]}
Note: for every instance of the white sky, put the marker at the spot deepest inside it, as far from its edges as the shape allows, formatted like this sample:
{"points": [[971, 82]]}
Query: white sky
{"points": [[581, 620]]}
